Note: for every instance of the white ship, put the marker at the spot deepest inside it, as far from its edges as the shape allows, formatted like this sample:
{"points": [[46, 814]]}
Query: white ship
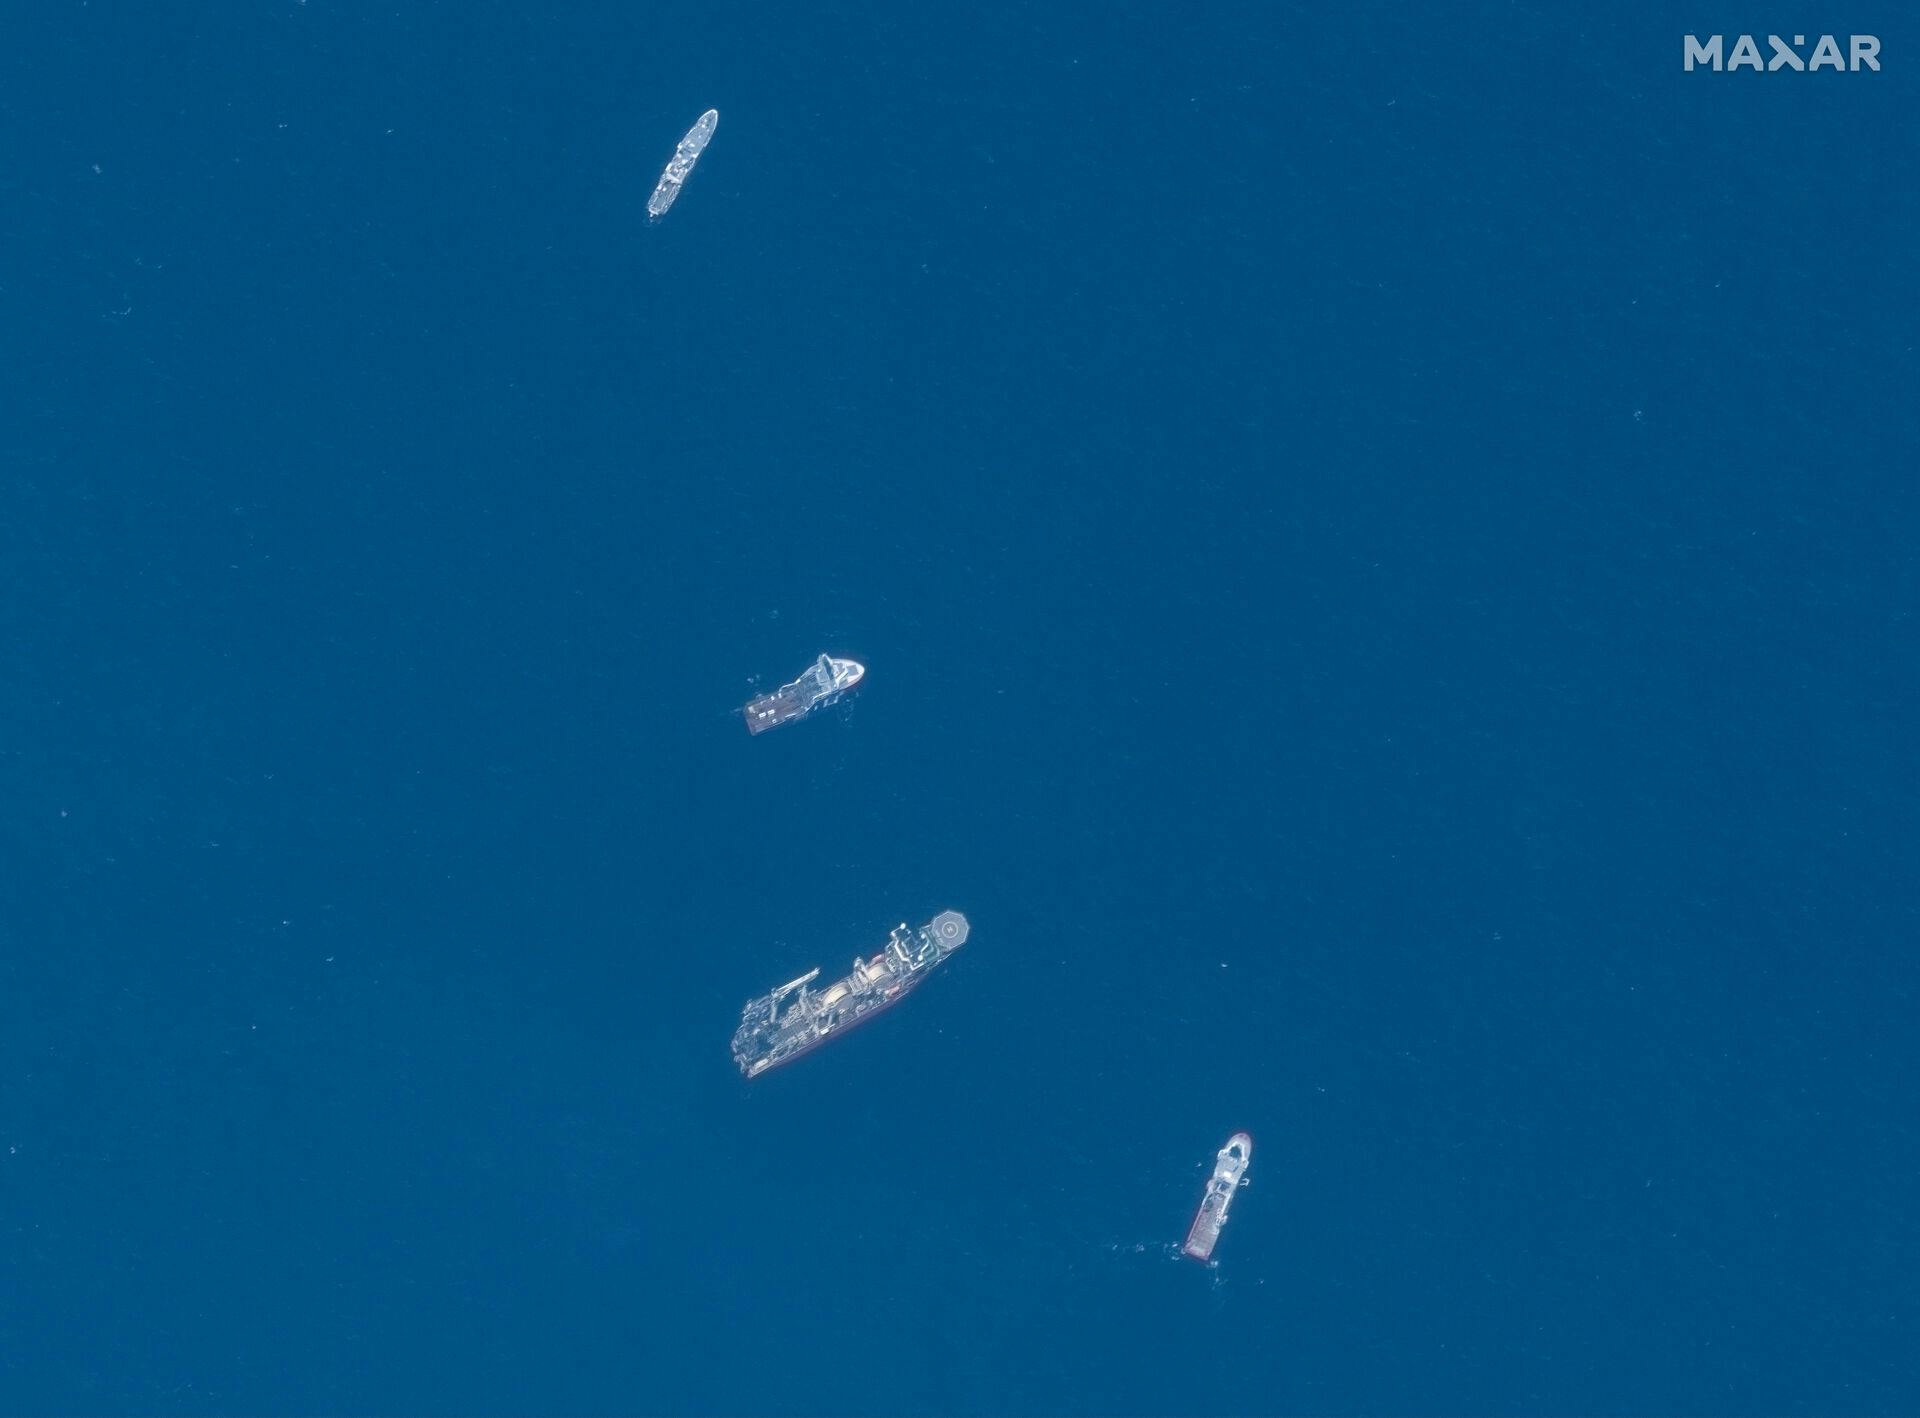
{"points": [[793, 1020], [680, 166], [1229, 1175], [826, 679]]}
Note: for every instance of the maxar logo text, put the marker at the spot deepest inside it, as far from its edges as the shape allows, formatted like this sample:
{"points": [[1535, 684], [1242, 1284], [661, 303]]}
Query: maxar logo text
{"points": [[1863, 52]]}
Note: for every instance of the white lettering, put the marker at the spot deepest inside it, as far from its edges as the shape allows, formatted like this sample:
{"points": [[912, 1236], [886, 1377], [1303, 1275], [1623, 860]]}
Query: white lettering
{"points": [[1696, 52], [1711, 53]]}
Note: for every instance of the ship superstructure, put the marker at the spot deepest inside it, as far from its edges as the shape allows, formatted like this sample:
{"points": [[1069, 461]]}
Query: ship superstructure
{"points": [[826, 678], [1229, 1175], [778, 1028]]}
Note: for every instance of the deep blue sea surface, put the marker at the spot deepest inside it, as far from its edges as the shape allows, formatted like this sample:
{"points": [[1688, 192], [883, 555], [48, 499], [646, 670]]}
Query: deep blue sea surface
{"points": [[1384, 539]]}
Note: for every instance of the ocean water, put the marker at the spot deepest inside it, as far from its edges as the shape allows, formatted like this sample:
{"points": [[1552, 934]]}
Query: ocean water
{"points": [[1383, 538]]}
